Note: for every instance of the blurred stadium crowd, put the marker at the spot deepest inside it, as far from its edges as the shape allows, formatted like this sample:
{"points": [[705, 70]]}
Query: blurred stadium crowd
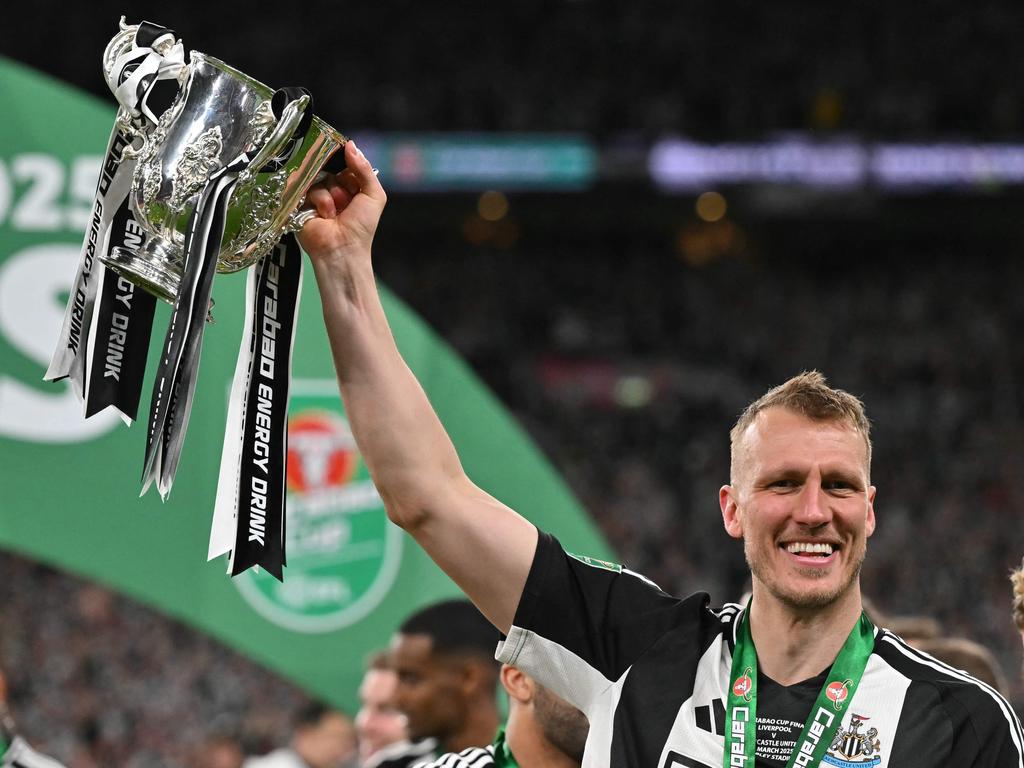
{"points": [[98, 680], [899, 72]]}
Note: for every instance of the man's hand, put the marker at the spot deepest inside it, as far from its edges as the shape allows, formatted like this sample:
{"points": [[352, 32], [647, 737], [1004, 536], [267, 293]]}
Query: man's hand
{"points": [[349, 205]]}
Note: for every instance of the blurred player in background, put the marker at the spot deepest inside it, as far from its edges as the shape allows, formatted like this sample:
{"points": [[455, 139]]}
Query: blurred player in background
{"points": [[219, 750], [447, 676], [542, 731], [380, 725], [963, 653], [1017, 578], [323, 738], [14, 750]]}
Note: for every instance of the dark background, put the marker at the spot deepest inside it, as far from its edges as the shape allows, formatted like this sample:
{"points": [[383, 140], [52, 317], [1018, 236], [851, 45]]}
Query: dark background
{"points": [[624, 331]]}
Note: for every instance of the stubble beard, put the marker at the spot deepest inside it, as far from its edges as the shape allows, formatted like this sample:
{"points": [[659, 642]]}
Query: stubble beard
{"points": [[564, 726], [808, 599]]}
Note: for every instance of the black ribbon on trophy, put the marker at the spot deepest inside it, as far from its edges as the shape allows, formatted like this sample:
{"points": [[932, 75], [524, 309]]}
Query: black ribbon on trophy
{"points": [[231, 214], [255, 440]]}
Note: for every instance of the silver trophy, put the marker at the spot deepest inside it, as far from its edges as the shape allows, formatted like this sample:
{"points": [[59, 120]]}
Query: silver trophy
{"points": [[219, 113]]}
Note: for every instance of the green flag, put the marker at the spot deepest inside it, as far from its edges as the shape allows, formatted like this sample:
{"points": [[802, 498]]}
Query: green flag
{"points": [[70, 485]]}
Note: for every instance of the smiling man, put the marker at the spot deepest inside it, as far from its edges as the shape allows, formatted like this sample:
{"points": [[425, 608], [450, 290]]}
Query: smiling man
{"points": [[802, 502], [801, 678]]}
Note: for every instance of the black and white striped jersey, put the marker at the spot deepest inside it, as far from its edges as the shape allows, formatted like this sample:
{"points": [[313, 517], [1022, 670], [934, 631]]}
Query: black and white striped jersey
{"points": [[21, 755], [651, 672], [474, 757], [403, 754]]}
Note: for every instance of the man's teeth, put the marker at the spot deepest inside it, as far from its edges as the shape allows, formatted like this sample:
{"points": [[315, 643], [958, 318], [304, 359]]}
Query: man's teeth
{"points": [[804, 548]]}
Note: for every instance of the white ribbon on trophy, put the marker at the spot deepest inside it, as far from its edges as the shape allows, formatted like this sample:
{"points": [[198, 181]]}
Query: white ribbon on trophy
{"points": [[107, 323]]}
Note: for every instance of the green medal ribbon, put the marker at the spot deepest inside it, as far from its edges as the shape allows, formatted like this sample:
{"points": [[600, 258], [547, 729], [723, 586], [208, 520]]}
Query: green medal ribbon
{"points": [[826, 714], [6, 731], [503, 757]]}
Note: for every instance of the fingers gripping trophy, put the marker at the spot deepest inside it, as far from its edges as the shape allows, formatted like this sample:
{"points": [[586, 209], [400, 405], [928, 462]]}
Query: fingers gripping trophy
{"points": [[205, 171]]}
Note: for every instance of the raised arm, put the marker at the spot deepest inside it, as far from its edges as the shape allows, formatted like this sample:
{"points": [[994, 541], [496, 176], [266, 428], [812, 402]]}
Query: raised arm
{"points": [[483, 545]]}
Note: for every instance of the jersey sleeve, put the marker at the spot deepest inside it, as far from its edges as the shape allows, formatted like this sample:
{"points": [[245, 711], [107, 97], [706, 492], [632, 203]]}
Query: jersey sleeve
{"points": [[986, 733], [947, 717], [581, 622]]}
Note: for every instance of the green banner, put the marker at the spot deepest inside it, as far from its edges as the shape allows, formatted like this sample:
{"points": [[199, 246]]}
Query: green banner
{"points": [[70, 485]]}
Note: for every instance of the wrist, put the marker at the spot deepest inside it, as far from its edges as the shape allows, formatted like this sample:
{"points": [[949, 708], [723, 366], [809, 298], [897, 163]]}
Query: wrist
{"points": [[342, 261], [345, 277]]}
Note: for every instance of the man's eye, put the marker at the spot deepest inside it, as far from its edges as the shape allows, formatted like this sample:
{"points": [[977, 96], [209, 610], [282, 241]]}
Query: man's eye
{"points": [[838, 485], [782, 484]]}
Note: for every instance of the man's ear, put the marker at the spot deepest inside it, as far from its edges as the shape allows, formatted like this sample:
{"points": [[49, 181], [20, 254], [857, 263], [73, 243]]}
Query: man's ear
{"points": [[518, 684], [869, 525], [731, 517]]}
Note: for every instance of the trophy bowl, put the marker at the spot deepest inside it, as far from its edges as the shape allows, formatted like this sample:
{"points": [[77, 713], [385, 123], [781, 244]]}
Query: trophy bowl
{"points": [[218, 114]]}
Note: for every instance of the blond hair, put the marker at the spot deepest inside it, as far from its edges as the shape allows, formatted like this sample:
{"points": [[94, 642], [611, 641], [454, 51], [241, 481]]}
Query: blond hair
{"points": [[808, 395], [1017, 579]]}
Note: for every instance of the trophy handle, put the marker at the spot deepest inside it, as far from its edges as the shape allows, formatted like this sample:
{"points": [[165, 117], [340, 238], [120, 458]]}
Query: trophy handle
{"points": [[124, 123], [297, 219], [118, 55], [291, 116], [119, 45]]}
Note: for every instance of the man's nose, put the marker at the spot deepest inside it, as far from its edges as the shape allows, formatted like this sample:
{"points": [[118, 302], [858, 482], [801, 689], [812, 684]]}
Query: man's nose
{"points": [[812, 507]]}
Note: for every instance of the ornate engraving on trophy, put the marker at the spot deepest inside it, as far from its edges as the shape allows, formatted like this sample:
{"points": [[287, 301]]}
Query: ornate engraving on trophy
{"points": [[263, 123], [149, 175], [260, 199], [198, 162]]}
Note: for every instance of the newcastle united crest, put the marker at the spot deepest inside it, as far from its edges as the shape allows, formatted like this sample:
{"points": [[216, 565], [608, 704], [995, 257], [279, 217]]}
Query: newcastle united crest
{"points": [[852, 748]]}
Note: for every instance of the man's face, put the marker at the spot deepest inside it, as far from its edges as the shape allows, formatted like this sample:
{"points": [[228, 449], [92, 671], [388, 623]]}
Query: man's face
{"points": [[378, 721], [220, 753], [802, 503], [430, 690], [327, 743]]}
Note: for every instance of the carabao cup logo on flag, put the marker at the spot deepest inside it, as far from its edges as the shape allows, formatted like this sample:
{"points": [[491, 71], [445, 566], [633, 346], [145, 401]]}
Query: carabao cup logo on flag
{"points": [[343, 553]]}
